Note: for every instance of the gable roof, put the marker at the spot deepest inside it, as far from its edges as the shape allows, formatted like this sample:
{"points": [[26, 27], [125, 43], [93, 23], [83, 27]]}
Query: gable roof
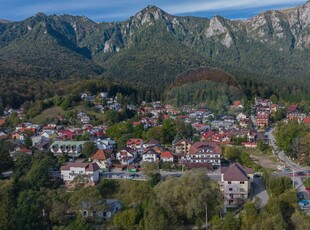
{"points": [[291, 108], [90, 167], [2, 121], [236, 172], [307, 120], [100, 155], [136, 141], [166, 154], [198, 145], [153, 142]]}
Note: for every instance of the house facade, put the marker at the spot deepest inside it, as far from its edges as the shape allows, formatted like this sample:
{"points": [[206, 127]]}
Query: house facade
{"points": [[103, 210], [182, 147], [87, 172], [235, 184], [135, 143], [127, 156], [205, 152], [102, 158], [166, 156], [72, 148], [150, 156], [262, 119]]}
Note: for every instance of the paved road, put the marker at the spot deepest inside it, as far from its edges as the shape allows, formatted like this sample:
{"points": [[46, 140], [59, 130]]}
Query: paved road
{"points": [[301, 188], [216, 176], [281, 155], [259, 191]]}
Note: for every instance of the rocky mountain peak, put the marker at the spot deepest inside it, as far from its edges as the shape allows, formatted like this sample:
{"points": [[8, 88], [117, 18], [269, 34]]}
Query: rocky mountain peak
{"points": [[149, 14]]}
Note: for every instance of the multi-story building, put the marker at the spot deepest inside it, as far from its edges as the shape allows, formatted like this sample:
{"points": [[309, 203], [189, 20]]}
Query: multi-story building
{"points": [[182, 147], [262, 119], [81, 172], [235, 184], [205, 152]]}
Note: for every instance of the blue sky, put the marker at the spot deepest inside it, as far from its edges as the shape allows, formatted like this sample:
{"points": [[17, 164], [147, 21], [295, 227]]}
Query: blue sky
{"points": [[120, 10]]}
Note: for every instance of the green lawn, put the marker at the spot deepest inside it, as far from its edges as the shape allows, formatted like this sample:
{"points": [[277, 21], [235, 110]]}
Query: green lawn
{"points": [[53, 112], [46, 114]]}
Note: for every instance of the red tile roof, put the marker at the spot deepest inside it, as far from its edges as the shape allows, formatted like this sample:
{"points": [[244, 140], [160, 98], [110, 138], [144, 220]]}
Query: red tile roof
{"points": [[100, 155], [2, 121], [307, 120], [166, 154], [291, 108]]}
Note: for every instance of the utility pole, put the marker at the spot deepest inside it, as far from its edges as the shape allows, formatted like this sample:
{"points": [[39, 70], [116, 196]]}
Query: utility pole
{"points": [[207, 217], [293, 178]]}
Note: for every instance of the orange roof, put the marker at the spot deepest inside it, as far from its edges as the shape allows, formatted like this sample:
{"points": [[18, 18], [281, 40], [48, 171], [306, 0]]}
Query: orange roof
{"points": [[307, 120], [166, 154], [2, 121], [100, 155]]}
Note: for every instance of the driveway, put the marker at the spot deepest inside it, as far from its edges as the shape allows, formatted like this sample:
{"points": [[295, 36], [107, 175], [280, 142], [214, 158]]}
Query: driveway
{"points": [[259, 191]]}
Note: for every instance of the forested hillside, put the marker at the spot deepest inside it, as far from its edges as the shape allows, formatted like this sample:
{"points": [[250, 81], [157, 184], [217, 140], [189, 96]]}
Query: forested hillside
{"points": [[150, 49]]}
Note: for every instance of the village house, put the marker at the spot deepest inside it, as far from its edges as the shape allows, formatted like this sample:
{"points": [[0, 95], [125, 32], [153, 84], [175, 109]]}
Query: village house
{"points": [[135, 143], [72, 148], [150, 155], [262, 119], [102, 210], [151, 143], [102, 158], [20, 150], [182, 147], [205, 152], [127, 155], [3, 135], [86, 172], [106, 143], [2, 122], [166, 156], [236, 105], [235, 184]]}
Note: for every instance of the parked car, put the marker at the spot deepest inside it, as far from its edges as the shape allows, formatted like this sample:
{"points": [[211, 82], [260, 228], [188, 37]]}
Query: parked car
{"points": [[300, 196], [286, 170]]}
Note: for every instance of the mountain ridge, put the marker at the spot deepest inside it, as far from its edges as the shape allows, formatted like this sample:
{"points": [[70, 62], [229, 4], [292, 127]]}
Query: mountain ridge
{"points": [[153, 47]]}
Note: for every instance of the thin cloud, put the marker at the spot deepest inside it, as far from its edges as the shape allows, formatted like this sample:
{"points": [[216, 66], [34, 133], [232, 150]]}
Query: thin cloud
{"points": [[122, 9], [224, 5]]}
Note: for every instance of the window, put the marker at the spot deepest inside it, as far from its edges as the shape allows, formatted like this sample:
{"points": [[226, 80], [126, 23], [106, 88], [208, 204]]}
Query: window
{"points": [[241, 182], [229, 182], [230, 189]]}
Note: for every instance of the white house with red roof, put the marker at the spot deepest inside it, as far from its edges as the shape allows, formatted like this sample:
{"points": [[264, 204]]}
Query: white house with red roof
{"points": [[166, 156], [127, 155], [135, 143], [235, 184], [87, 172], [102, 158], [205, 152]]}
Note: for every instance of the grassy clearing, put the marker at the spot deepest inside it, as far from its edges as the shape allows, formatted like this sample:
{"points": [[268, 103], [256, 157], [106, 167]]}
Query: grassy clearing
{"points": [[47, 114], [53, 112]]}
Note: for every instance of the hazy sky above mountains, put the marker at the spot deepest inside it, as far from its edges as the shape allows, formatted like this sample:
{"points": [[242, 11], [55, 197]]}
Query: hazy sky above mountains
{"points": [[120, 10]]}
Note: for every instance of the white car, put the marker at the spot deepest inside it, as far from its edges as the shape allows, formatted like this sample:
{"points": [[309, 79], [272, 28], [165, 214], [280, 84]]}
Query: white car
{"points": [[280, 167]]}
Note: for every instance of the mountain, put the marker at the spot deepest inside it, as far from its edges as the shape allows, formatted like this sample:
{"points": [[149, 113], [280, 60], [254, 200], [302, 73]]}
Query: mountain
{"points": [[153, 47]]}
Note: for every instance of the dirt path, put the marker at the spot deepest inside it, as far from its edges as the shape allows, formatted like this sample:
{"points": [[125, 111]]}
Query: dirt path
{"points": [[265, 161]]}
